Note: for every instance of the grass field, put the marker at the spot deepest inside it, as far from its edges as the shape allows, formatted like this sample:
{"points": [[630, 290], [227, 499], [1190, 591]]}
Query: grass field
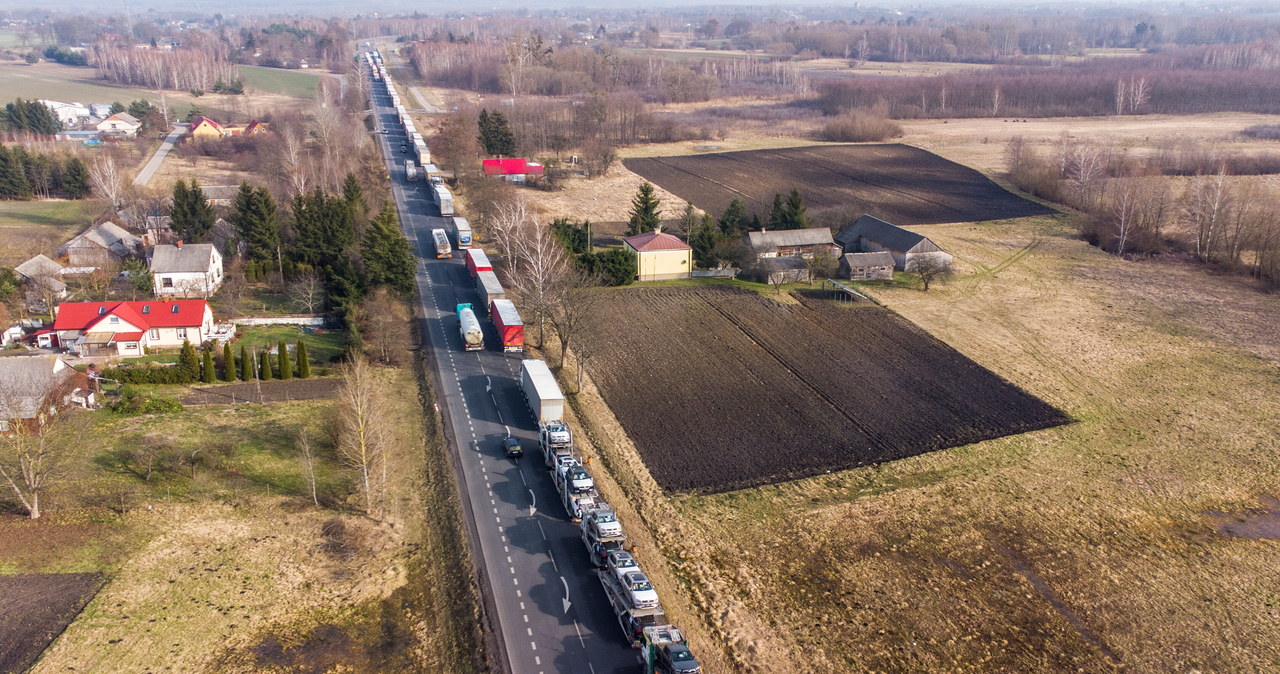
{"points": [[12, 39], [322, 347], [1086, 546], [30, 227], [63, 83], [292, 83]]}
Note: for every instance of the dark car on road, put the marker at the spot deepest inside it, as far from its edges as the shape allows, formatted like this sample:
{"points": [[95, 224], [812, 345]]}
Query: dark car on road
{"points": [[512, 448]]}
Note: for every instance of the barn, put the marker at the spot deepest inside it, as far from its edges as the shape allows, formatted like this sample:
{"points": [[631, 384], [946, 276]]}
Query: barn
{"points": [[806, 243], [869, 234], [867, 266]]}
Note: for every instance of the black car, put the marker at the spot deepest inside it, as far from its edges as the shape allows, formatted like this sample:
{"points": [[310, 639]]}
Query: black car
{"points": [[512, 448], [677, 659]]}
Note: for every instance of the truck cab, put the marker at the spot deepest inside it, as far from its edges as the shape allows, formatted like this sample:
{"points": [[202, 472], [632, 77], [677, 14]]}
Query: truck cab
{"points": [[676, 659]]}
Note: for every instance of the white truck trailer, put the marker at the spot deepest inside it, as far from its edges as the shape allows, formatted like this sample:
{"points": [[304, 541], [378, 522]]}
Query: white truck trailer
{"points": [[541, 392], [489, 286], [469, 328], [444, 199], [461, 232]]}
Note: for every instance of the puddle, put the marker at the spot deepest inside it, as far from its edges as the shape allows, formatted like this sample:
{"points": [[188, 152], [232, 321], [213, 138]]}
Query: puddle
{"points": [[1255, 525]]}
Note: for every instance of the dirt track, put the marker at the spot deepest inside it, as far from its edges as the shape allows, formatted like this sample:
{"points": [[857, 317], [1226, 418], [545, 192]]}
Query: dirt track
{"points": [[901, 184], [35, 609]]}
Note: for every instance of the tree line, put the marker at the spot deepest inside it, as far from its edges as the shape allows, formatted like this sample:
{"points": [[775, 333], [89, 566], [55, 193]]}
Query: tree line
{"points": [[186, 69], [25, 175]]}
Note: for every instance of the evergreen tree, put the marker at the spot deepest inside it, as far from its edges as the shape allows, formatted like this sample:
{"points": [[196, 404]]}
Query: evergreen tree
{"points": [[354, 196], [703, 240], [733, 219], [30, 116], [75, 179], [388, 257], [343, 285], [284, 369], [264, 365], [794, 211], [304, 364], [246, 364], [644, 211], [116, 108], [192, 216], [322, 228], [689, 219], [207, 373], [495, 134], [776, 214], [576, 238], [188, 360], [13, 175], [614, 267], [228, 363], [254, 217]]}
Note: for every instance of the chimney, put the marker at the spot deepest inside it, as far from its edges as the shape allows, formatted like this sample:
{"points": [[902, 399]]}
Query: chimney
{"points": [[178, 244]]}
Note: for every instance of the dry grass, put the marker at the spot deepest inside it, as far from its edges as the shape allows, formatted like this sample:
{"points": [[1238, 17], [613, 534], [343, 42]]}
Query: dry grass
{"points": [[1084, 546]]}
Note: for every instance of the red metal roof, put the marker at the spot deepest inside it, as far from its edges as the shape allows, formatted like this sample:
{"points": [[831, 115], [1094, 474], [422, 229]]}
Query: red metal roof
{"points": [[126, 336], [509, 167], [147, 314], [655, 240]]}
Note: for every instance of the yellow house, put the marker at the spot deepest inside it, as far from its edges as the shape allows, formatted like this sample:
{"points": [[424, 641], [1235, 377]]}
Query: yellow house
{"points": [[660, 256], [203, 128]]}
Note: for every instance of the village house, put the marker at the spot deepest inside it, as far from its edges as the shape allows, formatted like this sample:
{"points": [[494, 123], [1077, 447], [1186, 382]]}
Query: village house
{"points": [[512, 170], [876, 266], [806, 243], [191, 270], [203, 128], [129, 328], [33, 388], [870, 234], [103, 245], [120, 124], [659, 256]]}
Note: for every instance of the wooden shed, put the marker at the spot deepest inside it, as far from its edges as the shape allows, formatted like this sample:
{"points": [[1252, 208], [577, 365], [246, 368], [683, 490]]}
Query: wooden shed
{"points": [[867, 266], [806, 243], [869, 234]]}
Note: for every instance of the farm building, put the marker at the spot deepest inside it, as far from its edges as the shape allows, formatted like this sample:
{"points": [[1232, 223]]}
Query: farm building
{"points": [[121, 123], [867, 266], [806, 243], [103, 245], [33, 387], [203, 128], [777, 270], [513, 170], [659, 256], [870, 234]]}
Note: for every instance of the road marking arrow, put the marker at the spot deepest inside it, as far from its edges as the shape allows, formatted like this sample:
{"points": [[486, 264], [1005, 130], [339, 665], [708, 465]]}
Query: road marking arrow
{"points": [[565, 601], [533, 503]]}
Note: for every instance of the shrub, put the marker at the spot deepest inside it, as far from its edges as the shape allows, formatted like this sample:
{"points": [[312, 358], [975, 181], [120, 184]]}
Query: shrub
{"points": [[149, 374], [133, 403], [860, 126]]}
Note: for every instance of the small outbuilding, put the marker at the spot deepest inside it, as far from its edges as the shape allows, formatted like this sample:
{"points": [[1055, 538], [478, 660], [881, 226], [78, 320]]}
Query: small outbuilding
{"points": [[779, 270], [659, 256], [805, 243], [103, 245], [876, 266], [870, 234]]}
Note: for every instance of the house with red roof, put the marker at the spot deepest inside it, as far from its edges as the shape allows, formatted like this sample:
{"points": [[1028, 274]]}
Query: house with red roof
{"points": [[659, 256], [128, 328], [513, 170], [203, 128]]}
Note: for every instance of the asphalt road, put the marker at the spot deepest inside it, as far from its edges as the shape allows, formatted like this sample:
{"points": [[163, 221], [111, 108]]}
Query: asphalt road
{"points": [[144, 176], [545, 605]]}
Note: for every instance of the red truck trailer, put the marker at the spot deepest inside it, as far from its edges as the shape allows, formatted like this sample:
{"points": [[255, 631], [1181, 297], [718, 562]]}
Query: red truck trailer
{"points": [[477, 262], [507, 320]]}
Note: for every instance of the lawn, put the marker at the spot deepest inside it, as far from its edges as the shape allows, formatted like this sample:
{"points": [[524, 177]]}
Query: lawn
{"points": [[322, 347], [28, 227], [12, 39], [292, 83]]}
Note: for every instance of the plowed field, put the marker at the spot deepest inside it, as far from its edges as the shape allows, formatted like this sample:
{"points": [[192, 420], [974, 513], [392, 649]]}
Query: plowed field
{"points": [[901, 184], [35, 609], [723, 389]]}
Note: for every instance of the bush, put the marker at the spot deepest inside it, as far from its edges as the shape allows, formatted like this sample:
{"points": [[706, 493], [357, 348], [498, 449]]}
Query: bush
{"points": [[133, 403], [860, 126], [149, 374]]}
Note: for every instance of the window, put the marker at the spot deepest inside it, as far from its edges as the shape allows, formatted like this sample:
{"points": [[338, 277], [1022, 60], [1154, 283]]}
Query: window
{"points": [[174, 310], [146, 308], [102, 310], [131, 346], [182, 333], [166, 282], [154, 333], [113, 320]]}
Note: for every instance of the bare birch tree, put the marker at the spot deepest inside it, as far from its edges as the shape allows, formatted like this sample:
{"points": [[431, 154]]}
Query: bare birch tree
{"points": [[362, 428], [504, 225], [108, 180], [307, 452], [1206, 205], [306, 292], [537, 270], [29, 456]]}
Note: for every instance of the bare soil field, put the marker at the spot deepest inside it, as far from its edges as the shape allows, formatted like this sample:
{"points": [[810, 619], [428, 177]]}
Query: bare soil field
{"points": [[35, 609], [263, 392], [749, 391], [1089, 546], [898, 183]]}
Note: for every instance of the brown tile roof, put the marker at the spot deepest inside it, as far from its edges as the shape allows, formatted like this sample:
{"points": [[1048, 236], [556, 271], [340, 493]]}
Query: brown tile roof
{"points": [[655, 240]]}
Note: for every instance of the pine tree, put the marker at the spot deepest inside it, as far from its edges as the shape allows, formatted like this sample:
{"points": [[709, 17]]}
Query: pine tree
{"points": [[777, 214], [207, 373], [689, 219], [354, 196], [254, 217], [322, 228], [228, 363], [192, 216], [485, 127], [116, 108], [495, 134], [304, 364], [284, 368], [645, 216], [75, 179], [246, 364], [264, 365], [703, 240], [794, 211], [733, 219], [388, 257], [188, 360], [13, 175]]}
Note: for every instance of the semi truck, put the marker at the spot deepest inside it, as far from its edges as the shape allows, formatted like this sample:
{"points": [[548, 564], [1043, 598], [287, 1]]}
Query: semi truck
{"points": [[462, 232], [477, 261], [410, 170], [469, 328], [423, 154], [489, 286], [635, 622], [541, 392], [665, 651], [507, 320], [442, 243]]}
